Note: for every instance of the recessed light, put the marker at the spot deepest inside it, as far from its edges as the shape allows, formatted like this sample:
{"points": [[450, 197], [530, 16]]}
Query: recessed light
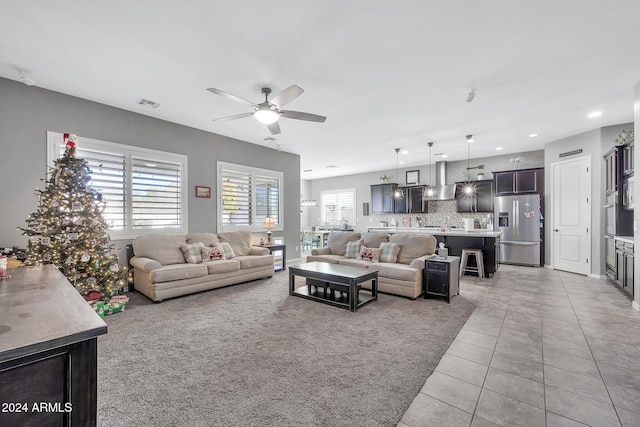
{"points": [[404, 152], [594, 114], [402, 163], [498, 148], [444, 156], [533, 135], [331, 166]]}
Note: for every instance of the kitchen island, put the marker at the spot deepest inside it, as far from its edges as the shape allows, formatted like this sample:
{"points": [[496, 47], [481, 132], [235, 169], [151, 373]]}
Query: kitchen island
{"points": [[458, 239]]}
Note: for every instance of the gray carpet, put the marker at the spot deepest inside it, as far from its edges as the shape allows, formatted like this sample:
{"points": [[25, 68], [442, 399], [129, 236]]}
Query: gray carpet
{"points": [[251, 355]]}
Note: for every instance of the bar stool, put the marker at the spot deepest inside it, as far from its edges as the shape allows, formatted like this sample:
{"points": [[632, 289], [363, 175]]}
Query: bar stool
{"points": [[479, 268]]}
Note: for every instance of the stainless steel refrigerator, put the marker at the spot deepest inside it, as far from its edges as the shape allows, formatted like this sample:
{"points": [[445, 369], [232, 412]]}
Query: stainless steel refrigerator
{"points": [[519, 219]]}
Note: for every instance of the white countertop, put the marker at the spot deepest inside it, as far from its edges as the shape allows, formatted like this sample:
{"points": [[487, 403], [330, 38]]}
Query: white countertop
{"points": [[436, 231]]}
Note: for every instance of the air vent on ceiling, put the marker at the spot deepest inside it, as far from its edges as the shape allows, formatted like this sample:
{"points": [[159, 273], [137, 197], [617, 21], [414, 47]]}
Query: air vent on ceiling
{"points": [[147, 103]]}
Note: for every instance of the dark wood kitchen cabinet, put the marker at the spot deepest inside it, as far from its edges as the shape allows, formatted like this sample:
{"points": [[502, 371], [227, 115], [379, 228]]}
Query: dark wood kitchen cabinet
{"points": [[382, 198], [520, 181], [612, 170], [627, 159], [480, 200], [411, 200]]}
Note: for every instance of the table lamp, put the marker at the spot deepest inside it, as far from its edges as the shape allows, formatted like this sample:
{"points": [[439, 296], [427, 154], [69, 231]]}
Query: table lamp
{"points": [[269, 223]]}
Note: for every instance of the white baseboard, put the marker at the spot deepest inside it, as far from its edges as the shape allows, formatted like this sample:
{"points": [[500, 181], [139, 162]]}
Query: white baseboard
{"points": [[598, 276], [636, 306]]}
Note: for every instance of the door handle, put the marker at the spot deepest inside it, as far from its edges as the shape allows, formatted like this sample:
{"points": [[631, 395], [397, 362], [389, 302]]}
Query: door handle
{"points": [[556, 230]]}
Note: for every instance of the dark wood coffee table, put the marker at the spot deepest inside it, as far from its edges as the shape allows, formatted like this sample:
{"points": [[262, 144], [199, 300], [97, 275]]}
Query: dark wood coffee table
{"points": [[335, 277]]}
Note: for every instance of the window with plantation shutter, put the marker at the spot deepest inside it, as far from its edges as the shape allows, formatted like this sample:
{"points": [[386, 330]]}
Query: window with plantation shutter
{"points": [[155, 200], [143, 191], [108, 178], [338, 207], [246, 196]]}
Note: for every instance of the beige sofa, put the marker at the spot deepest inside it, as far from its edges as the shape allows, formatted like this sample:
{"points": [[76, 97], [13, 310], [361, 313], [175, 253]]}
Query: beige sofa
{"points": [[160, 270], [403, 277]]}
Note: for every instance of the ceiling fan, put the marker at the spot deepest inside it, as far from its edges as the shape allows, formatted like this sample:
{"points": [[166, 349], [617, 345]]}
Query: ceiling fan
{"points": [[268, 112]]}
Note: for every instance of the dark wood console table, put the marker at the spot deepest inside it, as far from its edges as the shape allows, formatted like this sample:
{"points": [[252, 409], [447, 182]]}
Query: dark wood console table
{"points": [[48, 351]]}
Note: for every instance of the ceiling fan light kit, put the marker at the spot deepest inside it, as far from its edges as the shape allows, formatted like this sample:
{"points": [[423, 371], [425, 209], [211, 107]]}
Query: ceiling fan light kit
{"points": [[266, 115], [269, 112]]}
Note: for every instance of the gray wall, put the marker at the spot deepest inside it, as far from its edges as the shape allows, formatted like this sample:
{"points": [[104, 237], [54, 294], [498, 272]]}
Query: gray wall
{"points": [[594, 143], [27, 113], [362, 183]]}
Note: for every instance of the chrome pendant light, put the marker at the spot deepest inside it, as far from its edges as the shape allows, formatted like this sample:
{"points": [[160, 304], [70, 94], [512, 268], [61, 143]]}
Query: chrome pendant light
{"points": [[398, 194], [469, 188], [309, 202], [430, 191]]}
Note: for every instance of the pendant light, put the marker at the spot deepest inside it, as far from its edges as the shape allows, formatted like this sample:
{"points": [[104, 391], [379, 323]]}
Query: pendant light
{"points": [[397, 194], [308, 202], [468, 188], [430, 191]]}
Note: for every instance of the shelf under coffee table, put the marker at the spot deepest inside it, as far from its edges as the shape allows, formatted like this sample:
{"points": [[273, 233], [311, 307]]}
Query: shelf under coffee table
{"points": [[321, 276]]}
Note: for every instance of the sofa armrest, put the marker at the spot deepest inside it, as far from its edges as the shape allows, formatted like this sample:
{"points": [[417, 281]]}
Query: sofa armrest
{"points": [[321, 251], [419, 262], [145, 264], [258, 250]]}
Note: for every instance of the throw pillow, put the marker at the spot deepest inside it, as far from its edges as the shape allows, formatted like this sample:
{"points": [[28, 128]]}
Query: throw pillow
{"points": [[353, 249], [191, 252], [226, 249], [390, 251], [370, 254], [211, 254]]}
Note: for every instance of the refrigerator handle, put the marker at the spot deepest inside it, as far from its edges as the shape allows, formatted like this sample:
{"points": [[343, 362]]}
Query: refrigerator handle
{"points": [[516, 215]]}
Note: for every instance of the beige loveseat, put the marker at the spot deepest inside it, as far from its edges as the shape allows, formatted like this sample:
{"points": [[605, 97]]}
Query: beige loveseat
{"points": [[403, 277], [160, 270]]}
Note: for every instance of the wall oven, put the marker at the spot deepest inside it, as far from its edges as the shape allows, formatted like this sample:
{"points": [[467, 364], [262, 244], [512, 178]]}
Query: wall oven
{"points": [[610, 256], [610, 232], [627, 193], [611, 215]]}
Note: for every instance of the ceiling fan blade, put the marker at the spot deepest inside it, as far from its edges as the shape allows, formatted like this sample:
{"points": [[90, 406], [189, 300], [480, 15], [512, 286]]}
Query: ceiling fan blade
{"points": [[230, 96], [287, 95], [237, 116], [274, 128], [302, 116]]}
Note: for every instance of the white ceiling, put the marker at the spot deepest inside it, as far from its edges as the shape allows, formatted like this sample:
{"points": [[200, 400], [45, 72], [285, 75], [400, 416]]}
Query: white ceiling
{"points": [[386, 73]]}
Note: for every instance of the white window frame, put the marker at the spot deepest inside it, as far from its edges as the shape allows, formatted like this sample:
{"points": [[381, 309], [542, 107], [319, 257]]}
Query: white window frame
{"points": [[255, 227], [337, 192], [54, 144]]}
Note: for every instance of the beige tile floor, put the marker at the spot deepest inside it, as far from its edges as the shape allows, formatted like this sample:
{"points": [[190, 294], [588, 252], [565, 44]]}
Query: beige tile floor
{"points": [[542, 348]]}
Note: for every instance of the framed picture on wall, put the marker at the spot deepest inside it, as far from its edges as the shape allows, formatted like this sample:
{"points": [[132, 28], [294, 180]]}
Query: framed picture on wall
{"points": [[204, 192], [413, 177]]}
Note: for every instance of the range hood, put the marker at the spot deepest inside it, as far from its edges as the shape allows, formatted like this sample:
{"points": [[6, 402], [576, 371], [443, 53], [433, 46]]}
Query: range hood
{"points": [[444, 191]]}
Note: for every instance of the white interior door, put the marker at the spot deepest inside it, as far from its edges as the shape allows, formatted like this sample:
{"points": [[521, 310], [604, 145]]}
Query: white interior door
{"points": [[572, 215]]}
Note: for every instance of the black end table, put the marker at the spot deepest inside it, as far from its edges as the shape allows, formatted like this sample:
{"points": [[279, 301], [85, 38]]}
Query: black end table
{"points": [[278, 247], [440, 277]]}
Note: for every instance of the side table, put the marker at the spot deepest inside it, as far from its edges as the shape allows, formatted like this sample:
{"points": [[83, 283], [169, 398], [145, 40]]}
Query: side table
{"points": [[440, 277], [276, 247]]}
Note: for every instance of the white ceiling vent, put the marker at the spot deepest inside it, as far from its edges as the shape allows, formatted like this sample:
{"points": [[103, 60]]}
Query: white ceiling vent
{"points": [[147, 103]]}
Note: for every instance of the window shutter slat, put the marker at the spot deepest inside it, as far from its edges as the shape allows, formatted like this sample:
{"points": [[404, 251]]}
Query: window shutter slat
{"points": [[156, 194]]}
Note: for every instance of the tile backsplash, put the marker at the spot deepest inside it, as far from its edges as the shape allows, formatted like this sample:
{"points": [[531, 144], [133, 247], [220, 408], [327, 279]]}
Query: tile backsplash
{"points": [[438, 212]]}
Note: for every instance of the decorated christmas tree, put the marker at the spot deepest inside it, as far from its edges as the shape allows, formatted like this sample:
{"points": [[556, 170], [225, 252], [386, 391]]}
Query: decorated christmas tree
{"points": [[68, 229]]}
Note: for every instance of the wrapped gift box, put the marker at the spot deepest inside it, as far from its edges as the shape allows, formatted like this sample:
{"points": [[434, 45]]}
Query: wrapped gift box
{"points": [[99, 307], [114, 307]]}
